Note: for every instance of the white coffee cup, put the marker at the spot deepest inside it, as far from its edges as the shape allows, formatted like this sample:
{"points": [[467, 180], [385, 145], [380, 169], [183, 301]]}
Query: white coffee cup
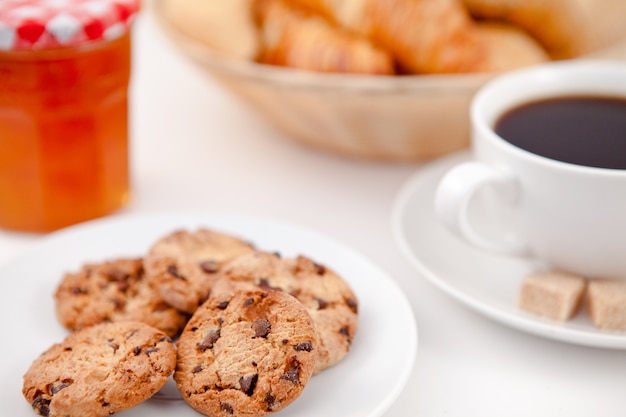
{"points": [[572, 217]]}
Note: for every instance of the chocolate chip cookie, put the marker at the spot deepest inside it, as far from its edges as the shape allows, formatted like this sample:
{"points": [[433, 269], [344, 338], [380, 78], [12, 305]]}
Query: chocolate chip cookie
{"points": [[245, 354], [183, 264], [100, 370], [328, 298], [114, 290]]}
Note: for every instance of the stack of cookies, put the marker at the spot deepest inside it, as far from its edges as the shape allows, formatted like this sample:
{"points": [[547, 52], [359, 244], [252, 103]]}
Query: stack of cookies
{"points": [[250, 329]]}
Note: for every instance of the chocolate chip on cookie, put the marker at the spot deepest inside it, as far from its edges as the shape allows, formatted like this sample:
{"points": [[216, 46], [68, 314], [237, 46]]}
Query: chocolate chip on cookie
{"points": [[328, 298], [246, 353], [100, 370], [115, 290], [183, 264]]}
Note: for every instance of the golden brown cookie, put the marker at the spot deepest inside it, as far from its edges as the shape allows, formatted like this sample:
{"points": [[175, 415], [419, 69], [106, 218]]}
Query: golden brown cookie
{"points": [[247, 354], [328, 298], [183, 265], [114, 290], [100, 370]]}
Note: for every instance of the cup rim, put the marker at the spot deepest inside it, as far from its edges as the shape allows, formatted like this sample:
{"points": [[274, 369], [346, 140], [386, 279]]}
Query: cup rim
{"points": [[543, 73]]}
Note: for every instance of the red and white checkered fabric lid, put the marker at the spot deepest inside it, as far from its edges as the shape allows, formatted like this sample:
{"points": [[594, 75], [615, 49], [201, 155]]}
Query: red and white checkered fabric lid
{"points": [[44, 24]]}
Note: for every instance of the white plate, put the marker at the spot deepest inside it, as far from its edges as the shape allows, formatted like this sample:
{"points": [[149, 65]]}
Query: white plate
{"points": [[364, 384], [486, 282]]}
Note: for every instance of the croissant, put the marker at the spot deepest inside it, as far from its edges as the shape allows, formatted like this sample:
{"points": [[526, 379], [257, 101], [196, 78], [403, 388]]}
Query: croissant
{"points": [[509, 47], [296, 38], [424, 36], [559, 25], [226, 26]]}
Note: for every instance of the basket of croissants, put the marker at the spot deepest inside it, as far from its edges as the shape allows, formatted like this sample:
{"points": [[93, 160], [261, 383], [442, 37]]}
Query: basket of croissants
{"points": [[386, 80]]}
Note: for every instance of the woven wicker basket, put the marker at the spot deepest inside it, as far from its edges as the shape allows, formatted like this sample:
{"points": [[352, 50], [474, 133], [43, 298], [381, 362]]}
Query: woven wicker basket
{"points": [[401, 118]]}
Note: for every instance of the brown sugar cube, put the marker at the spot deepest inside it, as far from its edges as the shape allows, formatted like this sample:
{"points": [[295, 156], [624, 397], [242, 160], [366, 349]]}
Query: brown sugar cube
{"points": [[553, 294], [606, 303]]}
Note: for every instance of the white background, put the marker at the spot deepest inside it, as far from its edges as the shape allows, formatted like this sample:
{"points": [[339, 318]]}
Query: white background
{"points": [[195, 147]]}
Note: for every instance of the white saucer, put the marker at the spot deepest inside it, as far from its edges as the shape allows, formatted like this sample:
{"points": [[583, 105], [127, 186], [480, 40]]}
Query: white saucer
{"points": [[364, 384], [488, 283]]}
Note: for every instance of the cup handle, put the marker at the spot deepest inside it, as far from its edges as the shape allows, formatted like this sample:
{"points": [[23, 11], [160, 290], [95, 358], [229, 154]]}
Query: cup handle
{"points": [[453, 196]]}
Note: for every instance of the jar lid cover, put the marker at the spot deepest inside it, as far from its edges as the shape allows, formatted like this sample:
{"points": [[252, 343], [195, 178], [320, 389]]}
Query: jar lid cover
{"points": [[45, 24]]}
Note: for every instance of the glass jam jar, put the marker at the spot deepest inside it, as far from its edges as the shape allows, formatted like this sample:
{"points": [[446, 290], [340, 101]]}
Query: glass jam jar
{"points": [[64, 76]]}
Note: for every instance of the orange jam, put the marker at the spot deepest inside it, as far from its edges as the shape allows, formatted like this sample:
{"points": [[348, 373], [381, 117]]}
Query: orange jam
{"points": [[63, 134]]}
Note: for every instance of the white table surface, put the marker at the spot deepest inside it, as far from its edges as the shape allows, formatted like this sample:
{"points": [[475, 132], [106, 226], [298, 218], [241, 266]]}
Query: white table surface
{"points": [[195, 147]]}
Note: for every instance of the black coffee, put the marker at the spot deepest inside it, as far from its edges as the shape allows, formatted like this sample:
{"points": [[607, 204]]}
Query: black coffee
{"points": [[581, 130]]}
